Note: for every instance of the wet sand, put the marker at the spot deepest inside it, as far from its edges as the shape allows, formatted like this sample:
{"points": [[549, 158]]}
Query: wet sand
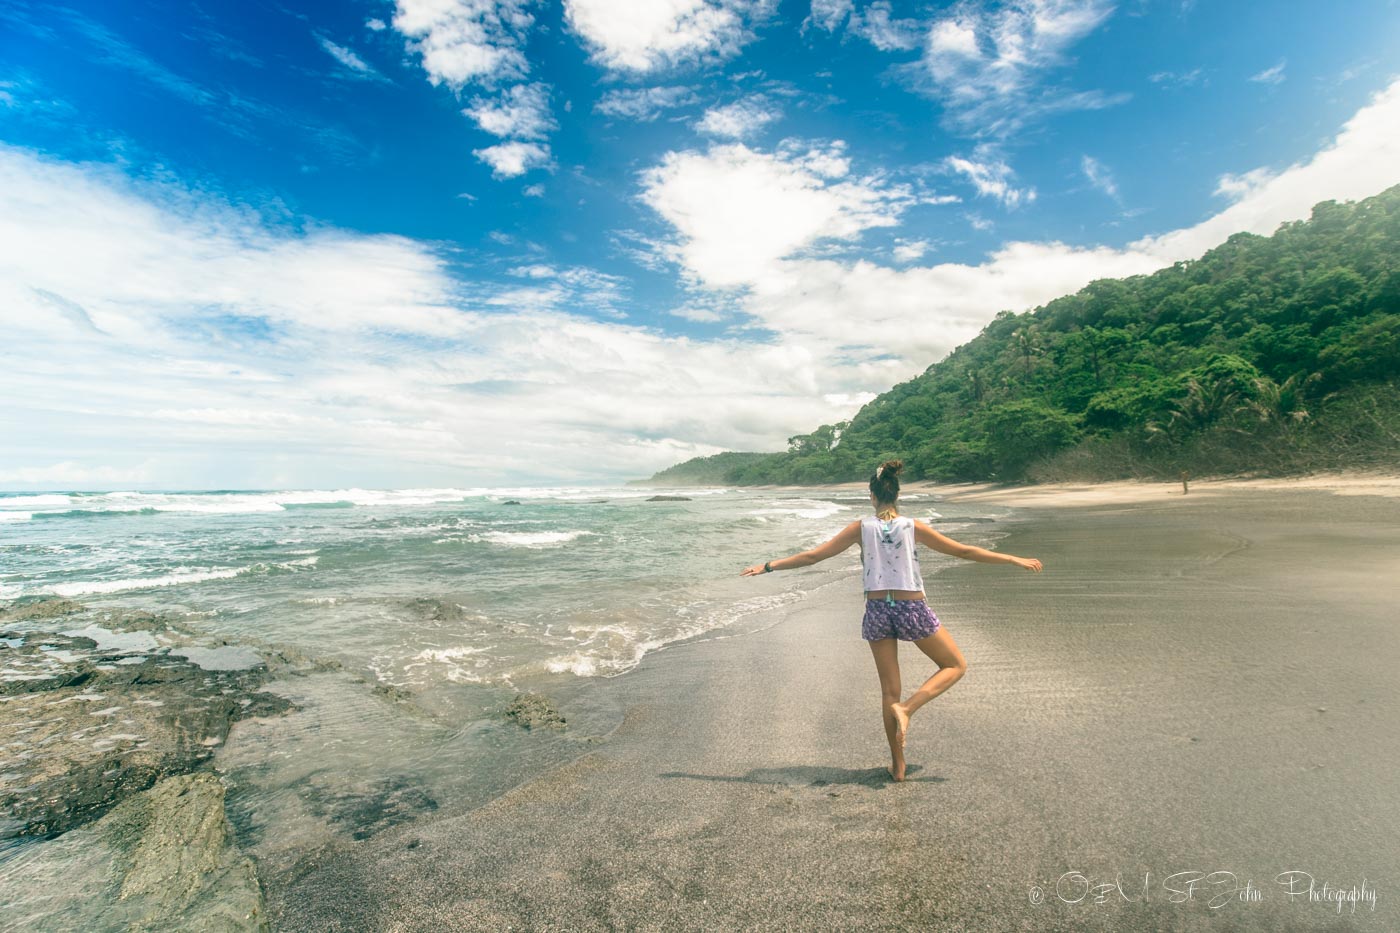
{"points": [[1195, 684]]}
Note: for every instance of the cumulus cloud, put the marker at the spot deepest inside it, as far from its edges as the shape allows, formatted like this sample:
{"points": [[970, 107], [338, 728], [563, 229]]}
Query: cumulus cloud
{"points": [[465, 41], [910, 250], [876, 24], [643, 104], [293, 354], [628, 36], [737, 210], [303, 355], [128, 255], [515, 158], [988, 65], [1363, 159], [521, 112], [837, 310], [991, 177], [829, 14], [739, 120]]}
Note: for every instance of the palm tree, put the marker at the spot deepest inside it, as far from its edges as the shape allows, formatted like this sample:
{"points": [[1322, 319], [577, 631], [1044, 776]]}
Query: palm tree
{"points": [[1027, 346], [1283, 403], [1202, 406]]}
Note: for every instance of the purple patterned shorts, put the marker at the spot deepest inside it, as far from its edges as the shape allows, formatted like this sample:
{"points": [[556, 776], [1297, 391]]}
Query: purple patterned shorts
{"points": [[905, 619]]}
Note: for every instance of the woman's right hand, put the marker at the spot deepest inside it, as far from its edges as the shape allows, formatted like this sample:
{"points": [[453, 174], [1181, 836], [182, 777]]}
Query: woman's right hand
{"points": [[753, 571]]}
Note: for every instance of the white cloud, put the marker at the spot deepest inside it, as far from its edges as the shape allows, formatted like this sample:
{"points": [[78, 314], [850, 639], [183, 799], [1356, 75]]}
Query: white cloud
{"points": [[292, 354], [986, 65], [991, 177], [1178, 79], [1099, 176], [348, 58], [910, 250], [829, 14], [1272, 75], [70, 475], [876, 25], [626, 35], [375, 24], [1236, 187], [533, 191], [511, 159], [466, 41], [737, 210], [1363, 160], [739, 120], [129, 255], [521, 112], [812, 303], [643, 104]]}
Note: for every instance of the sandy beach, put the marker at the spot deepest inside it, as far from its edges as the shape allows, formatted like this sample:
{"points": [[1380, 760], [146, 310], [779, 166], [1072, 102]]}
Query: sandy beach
{"points": [[1196, 697]]}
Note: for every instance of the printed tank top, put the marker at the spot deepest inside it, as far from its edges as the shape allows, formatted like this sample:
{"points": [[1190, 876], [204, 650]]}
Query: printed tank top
{"points": [[889, 554]]}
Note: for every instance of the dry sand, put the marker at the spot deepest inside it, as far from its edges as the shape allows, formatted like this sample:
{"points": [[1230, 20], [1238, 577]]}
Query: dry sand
{"points": [[1195, 684], [1130, 492]]}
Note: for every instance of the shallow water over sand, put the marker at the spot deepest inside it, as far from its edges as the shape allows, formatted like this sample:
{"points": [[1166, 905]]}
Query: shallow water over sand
{"points": [[399, 627]]}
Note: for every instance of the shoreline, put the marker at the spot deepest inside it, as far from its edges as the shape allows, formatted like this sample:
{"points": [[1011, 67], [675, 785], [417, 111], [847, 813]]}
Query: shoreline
{"points": [[1121, 492], [653, 714], [746, 787]]}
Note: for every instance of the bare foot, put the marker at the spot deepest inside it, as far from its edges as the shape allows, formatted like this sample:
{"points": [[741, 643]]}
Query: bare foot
{"points": [[901, 719], [896, 770]]}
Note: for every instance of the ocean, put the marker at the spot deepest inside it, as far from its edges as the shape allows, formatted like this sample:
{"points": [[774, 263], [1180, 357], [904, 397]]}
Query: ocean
{"points": [[581, 580], [414, 616]]}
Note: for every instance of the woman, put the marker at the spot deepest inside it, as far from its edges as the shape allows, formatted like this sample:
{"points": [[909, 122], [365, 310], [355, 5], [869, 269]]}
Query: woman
{"points": [[895, 609]]}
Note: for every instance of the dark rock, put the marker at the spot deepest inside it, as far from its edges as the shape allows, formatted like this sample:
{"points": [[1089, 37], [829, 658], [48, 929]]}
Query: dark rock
{"points": [[511, 502], [162, 860], [669, 499], [85, 729], [376, 806], [397, 694], [40, 609], [534, 711]]}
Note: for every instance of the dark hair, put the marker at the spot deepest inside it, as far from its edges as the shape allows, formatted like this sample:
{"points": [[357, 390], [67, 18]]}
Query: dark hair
{"points": [[884, 485]]}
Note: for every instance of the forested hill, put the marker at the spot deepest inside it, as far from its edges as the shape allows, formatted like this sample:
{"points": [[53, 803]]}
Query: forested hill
{"points": [[1269, 354]]}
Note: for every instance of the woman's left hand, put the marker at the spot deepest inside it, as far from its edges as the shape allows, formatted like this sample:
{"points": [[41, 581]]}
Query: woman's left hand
{"points": [[753, 571]]}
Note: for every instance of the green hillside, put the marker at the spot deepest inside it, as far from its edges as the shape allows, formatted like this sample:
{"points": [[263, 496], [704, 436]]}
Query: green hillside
{"points": [[714, 470], [1269, 355]]}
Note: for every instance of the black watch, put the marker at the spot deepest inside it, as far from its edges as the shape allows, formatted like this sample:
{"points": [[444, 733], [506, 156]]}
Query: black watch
{"points": [[766, 568]]}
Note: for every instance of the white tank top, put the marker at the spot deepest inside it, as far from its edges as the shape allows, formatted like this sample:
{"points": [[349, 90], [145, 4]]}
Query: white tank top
{"points": [[889, 554]]}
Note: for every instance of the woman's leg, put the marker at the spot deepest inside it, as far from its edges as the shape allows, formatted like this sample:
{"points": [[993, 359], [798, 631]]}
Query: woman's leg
{"points": [[886, 652], [951, 667]]}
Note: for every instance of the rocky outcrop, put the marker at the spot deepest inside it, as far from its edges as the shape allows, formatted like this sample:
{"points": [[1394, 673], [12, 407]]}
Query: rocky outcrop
{"points": [[534, 711], [161, 860], [92, 715]]}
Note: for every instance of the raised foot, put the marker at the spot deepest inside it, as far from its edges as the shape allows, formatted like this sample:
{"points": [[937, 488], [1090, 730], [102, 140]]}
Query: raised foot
{"points": [[901, 719]]}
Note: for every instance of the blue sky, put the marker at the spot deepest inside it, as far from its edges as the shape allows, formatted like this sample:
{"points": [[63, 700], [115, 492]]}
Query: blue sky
{"points": [[467, 242]]}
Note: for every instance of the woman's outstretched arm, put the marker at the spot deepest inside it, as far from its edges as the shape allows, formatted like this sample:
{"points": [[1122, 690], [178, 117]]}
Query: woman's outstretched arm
{"points": [[930, 538], [843, 539]]}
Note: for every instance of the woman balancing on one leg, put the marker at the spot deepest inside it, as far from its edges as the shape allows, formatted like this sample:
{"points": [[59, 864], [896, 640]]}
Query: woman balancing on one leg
{"points": [[895, 609]]}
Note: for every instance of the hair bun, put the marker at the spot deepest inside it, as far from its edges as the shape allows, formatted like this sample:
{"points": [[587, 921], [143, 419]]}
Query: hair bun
{"points": [[891, 468]]}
